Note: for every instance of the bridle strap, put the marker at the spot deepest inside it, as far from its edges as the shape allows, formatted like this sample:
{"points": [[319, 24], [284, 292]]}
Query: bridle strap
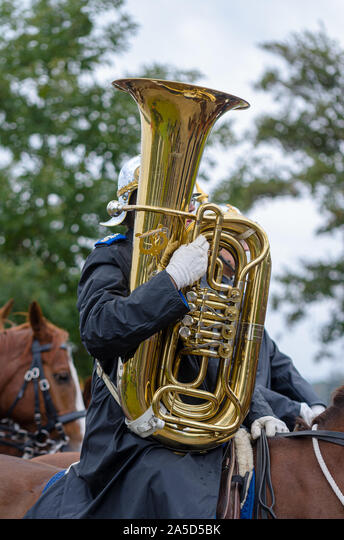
{"points": [[43, 384], [54, 422], [336, 437], [32, 374], [36, 374], [70, 417]]}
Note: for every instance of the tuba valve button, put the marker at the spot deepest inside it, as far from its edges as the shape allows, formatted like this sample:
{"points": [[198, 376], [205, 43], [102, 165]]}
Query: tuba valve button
{"points": [[184, 332], [188, 320], [235, 295], [191, 296]]}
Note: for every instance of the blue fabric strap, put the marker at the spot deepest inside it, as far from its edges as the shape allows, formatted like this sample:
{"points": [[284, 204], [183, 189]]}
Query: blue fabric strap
{"points": [[108, 240], [53, 479], [247, 509], [183, 298]]}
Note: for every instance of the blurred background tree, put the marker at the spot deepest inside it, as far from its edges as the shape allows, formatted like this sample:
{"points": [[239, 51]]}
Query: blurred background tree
{"points": [[64, 136], [296, 149]]}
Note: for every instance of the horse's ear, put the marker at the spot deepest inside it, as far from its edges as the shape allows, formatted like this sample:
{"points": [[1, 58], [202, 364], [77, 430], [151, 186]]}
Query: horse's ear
{"points": [[5, 311], [37, 321]]}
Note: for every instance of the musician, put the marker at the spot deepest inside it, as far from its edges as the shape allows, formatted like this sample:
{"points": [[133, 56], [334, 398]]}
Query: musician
{"points": [[122, 475]]}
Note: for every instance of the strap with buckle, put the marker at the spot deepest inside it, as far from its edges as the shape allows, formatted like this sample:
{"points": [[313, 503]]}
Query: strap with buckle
{"points": [[143, 426]]}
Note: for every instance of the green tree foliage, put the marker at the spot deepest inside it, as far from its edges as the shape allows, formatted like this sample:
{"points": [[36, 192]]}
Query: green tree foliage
{"points": [[306, 130], [64, 135], [59, 154]]}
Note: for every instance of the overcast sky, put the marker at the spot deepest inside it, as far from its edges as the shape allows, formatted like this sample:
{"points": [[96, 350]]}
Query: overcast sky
{"points": [[220, 38]]}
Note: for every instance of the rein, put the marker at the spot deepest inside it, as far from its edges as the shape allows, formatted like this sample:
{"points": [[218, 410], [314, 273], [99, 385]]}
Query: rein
{"points": [[38, 442], [263, 480], [263, 476], [324, 468]]}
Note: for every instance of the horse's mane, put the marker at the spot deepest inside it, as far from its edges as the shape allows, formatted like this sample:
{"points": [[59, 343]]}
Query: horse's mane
{"points": [[14, 341], [332, 412], [338, 397], [26, 325], [19, 338]]}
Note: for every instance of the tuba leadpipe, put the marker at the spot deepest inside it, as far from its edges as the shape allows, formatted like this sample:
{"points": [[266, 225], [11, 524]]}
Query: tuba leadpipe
{"points": [[225, 321]]}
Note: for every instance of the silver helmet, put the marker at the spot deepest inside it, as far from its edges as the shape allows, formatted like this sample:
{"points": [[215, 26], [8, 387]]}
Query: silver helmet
{"points": [[128, 181]]}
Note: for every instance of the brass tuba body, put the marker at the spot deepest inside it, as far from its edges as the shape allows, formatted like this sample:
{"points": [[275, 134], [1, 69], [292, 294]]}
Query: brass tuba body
{"points": [[225, 322]]}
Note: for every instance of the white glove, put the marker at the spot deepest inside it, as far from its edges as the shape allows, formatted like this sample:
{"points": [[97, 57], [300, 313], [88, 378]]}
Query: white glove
{"points": [[318, 409], [308, 413], [189, 262], [271, 424]]}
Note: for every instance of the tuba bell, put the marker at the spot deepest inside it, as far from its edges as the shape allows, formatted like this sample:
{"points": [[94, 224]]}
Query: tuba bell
{"points": [[224, 327]]}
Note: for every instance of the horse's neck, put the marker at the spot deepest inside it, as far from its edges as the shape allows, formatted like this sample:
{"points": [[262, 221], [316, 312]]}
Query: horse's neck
{"points": [[332, 419], [334, 423]]}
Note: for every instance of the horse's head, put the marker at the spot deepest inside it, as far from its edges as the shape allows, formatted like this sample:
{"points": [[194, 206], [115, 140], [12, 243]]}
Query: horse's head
{"points": [[37, 364]]}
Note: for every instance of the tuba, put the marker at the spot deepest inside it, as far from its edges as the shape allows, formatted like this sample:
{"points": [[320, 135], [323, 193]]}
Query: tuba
{"points": [[224, 327]]}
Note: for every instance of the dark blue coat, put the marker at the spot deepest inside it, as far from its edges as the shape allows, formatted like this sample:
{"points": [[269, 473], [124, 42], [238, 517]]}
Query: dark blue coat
{"points": [[119, 474], [279, 387]]}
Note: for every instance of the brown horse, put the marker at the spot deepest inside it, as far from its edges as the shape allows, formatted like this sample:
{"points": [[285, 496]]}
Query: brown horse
{"points": [[41, 406], [301, 491]]}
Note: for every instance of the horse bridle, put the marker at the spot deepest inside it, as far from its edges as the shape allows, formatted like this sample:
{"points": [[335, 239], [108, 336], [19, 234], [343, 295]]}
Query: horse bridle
{"points": [[263, 477], [38, 442]]}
